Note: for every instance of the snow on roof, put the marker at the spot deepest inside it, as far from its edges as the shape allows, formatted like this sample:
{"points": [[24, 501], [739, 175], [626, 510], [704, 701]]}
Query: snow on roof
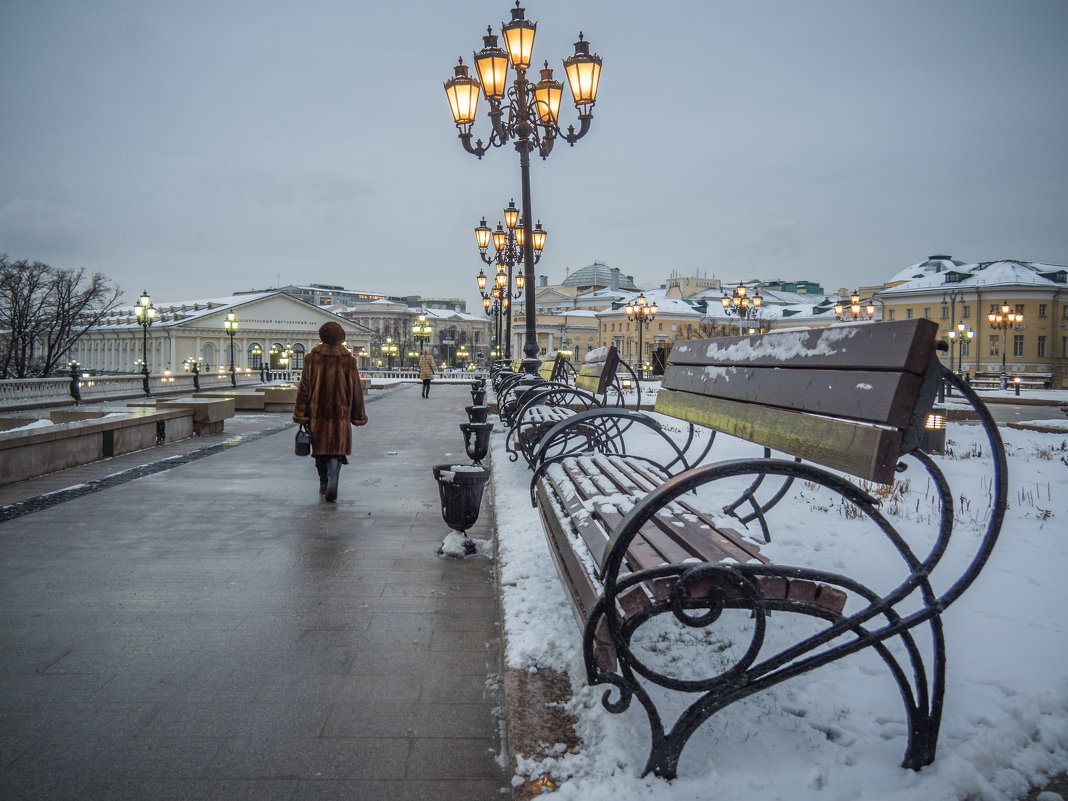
{"points": [[1007, 272]]}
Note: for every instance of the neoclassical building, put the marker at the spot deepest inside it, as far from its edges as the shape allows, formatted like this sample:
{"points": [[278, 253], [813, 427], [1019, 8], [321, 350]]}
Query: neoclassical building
{"points": [[271, 326], [961, 296]]}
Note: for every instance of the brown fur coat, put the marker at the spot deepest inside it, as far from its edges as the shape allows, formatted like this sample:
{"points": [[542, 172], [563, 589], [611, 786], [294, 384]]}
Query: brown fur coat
{"points": [[329, 399]]}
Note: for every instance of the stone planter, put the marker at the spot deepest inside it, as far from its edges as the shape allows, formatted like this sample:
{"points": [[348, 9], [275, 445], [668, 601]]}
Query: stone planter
{"points": [[476, 440]]}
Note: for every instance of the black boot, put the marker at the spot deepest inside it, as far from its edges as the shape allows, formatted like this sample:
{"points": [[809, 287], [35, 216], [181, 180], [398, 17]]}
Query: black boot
{"points": [[333, 475], [320, 466]]}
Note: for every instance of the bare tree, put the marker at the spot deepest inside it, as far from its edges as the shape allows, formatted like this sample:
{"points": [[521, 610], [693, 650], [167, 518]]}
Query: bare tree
{"points": [[44, 311]]}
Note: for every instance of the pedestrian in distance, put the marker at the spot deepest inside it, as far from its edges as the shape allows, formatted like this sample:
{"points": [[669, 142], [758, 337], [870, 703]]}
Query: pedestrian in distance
{"points": [[330, 401], [426, 370]]}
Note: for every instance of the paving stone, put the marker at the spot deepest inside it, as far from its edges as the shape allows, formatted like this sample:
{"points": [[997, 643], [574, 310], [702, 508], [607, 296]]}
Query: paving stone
{"points": [[210, 628]]}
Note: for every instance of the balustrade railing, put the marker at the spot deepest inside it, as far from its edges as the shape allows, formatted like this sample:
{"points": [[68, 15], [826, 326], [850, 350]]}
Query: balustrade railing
{"points": [[26, 392]]}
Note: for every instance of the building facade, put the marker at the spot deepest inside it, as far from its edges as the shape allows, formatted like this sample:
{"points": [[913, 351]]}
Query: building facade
{"points": [[961, 297], [275, 331]]}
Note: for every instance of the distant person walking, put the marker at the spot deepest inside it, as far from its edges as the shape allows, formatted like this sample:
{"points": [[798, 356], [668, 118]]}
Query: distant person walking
{"points": [[330, 401], [426, 370]]}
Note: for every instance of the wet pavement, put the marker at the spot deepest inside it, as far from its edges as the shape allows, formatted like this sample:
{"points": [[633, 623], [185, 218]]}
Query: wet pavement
{"points": [[206, 627]]}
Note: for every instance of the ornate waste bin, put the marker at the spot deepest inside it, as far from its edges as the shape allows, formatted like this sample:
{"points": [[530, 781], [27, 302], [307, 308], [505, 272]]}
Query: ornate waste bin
{"points": [[476, 440], [477, 414], [460, 488]]}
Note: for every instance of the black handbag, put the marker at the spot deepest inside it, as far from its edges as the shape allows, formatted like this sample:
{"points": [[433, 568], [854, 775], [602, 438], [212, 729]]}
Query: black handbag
{"points": [[302, 444]]}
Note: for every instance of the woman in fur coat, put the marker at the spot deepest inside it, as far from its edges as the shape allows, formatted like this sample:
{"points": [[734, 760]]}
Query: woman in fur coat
{"points": [[329, 402], [426, 370]]}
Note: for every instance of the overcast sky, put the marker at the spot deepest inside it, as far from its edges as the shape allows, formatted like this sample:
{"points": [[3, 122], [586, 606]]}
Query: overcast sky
{"points": [[198, 148]]}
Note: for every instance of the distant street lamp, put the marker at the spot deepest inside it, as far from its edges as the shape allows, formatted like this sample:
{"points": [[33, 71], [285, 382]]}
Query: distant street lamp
{"points": [[533, 111], [854, 311], [959, 337], [75, 382], [146, 313], [231, 324], [1002, 320], [509, 241], [390, 350], [642, 313], [739, 303], [193, 366], [422, 332]]}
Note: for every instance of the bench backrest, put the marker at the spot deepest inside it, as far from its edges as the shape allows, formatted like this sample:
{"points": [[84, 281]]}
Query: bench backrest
{"points": [[550, 369], [597, 370], [851, 397]]}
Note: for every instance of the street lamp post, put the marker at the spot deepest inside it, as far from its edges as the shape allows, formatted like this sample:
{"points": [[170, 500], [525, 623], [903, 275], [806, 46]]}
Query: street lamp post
{"points": [[958, 337], [739, 303], [193, 366], [75, 382], [1002, 320], [642, 313], [231, 324], [509, 241], [422, 332], [854, 311], [390, 350], [532, 120], [146, 313]]}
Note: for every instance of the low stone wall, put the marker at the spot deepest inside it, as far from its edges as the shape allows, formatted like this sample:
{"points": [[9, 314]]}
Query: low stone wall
{"points": [[25, 453]]}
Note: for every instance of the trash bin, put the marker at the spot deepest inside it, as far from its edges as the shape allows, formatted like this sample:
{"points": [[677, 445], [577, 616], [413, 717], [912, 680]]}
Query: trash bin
{"points": [[460, 488], [476, 440]]}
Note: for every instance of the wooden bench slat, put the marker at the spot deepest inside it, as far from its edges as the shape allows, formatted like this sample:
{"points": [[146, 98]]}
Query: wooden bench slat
{"points": [[879, 346], [862, 450], [641, 554], [667, 542], [883, 397], [582, 591]]}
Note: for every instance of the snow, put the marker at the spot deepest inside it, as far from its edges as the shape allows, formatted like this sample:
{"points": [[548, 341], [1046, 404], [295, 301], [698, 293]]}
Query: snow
{"points": [[838, 732], [41, 423]]}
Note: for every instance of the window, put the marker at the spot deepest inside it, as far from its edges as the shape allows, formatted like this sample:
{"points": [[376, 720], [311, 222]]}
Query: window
{"points": [[1041, 347], [660, 327], [994, 347], [927, 312], [965, 347], [891, 313], [1042, 311], [945, 312], [1019, 308], [965, 311], [908, 314], [1018, 345]]}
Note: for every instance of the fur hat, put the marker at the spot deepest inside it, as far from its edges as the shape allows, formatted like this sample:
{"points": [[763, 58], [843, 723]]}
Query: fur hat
{"points": [[332, 333]]}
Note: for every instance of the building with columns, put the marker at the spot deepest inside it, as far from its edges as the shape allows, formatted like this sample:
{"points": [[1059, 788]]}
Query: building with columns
{"points": [[270, 325]]}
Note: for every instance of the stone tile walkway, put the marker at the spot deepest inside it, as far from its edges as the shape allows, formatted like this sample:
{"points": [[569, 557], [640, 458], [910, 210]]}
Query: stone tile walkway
{"points": [[216, 631]]}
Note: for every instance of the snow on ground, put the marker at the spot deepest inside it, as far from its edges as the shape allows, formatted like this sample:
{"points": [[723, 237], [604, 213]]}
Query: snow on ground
{"points": [[838, 732]]}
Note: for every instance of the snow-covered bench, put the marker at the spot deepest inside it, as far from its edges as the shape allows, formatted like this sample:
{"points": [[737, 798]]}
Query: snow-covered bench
{"points": [[634, 541], [542, 406]]}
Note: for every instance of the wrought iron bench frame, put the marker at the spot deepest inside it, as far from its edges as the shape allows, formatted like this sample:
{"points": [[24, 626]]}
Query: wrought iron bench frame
{"points": [[697, 592]]}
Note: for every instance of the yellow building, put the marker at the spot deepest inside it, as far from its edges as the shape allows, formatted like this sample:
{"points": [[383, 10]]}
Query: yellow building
{"points": [[1029, 340]]}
